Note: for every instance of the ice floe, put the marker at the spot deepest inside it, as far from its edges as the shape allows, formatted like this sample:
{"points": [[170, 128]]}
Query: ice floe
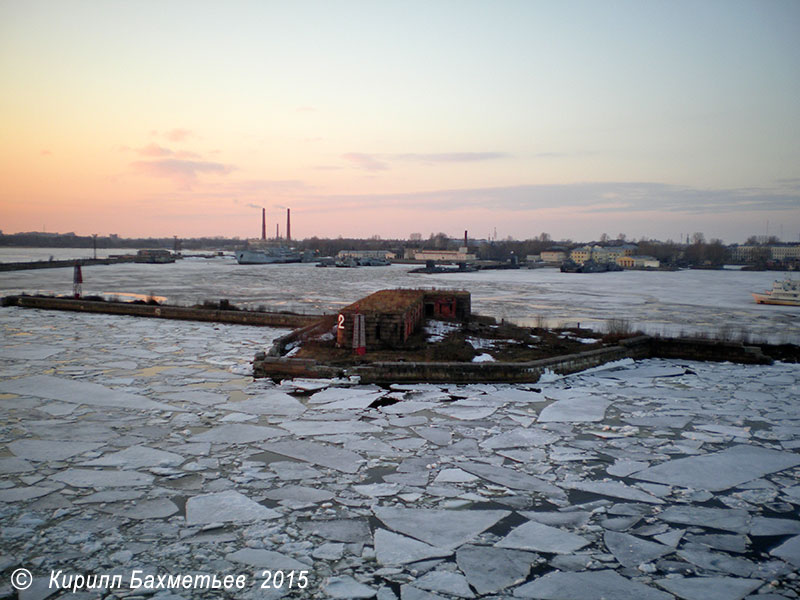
{"points": [[223, 507], [146, 445], [539, 537], [594, 585], [721, 470], [440, 528]]}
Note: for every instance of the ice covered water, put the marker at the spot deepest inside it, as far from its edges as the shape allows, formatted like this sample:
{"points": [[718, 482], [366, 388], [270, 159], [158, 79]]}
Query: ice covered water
{"points": [[657, 302], [133, 444]]}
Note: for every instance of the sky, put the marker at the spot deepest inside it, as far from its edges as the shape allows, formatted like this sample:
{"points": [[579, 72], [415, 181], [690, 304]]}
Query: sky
{"points": [[654, 119]]}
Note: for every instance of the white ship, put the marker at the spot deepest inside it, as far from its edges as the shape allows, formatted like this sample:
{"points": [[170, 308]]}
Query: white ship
{"points": [[786, 292]]}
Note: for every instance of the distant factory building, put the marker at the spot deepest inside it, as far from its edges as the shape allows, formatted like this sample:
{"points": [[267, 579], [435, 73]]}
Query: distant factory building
{"points": [[391, 317]]}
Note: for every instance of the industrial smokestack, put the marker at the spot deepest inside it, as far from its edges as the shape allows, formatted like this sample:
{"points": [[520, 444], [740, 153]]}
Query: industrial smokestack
{"points": [[288, 225], [465, 239], [263, 223]]}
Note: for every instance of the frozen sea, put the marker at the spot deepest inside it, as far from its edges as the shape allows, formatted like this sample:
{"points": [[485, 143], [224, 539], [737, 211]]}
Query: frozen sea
{"points": [[143, 447], [689, 302]]}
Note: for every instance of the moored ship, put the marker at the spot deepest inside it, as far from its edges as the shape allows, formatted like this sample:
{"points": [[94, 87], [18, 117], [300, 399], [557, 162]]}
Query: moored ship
{"points": [[786, 292], [268, 256]]}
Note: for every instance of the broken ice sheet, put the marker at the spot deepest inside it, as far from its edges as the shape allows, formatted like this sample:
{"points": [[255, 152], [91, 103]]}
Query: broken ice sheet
{"points": [[328, 427], [344, 586], [339, 530], [572, 518], [577, 409], [270, 559], [466, 412], [298, 493], [336, 394], [14, 465], [542, 538], [593, 585], [223, 507], [318, 454], [356, 402], [80, 392], [614, 489], [149, 509], [710, 588], [274, 403], [631, 551], [727, 519], [447, 582], [136, 457], [101, 479], [789, 551], [454, 476], [201, 397], [436, 435], [489, 569], [512, 478], [377, 490], [395, 549], [623, 468], [235, 433], [19, 494], [440, 528], [721, 470], [519, 438]]}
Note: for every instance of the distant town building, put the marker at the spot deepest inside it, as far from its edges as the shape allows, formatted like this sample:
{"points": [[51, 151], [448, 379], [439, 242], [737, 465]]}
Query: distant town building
{"points": [[753, 253], [554, 256], [601, 254], [638, 262], [460, 255]]}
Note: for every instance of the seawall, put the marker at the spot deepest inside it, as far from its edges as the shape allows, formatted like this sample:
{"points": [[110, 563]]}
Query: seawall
{"points": [[57, 264], [636, 348], [159, 311]]}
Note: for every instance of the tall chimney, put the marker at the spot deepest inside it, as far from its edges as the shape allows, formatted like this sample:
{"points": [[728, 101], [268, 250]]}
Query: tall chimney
{"points": [[288, 225], [277, 231], [465, 239], [263, 223]]}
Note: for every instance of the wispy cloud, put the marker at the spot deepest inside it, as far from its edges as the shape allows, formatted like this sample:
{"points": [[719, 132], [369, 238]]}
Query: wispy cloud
{"points": [[154, 150], [368, 162], [381, 162], [178, 134], [449, 157], [179, 170], [592, 197]]}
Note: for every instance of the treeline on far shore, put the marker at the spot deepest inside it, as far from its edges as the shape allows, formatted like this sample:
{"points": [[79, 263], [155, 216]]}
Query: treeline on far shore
{"points": [[71, 240], [695, 252]]}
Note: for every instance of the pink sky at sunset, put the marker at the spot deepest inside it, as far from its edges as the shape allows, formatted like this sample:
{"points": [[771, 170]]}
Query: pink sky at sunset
{"points": [[575, 118]]}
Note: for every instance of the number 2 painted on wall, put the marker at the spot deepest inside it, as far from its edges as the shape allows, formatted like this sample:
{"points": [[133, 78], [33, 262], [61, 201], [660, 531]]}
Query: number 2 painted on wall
{"points": [[341, 321]]}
